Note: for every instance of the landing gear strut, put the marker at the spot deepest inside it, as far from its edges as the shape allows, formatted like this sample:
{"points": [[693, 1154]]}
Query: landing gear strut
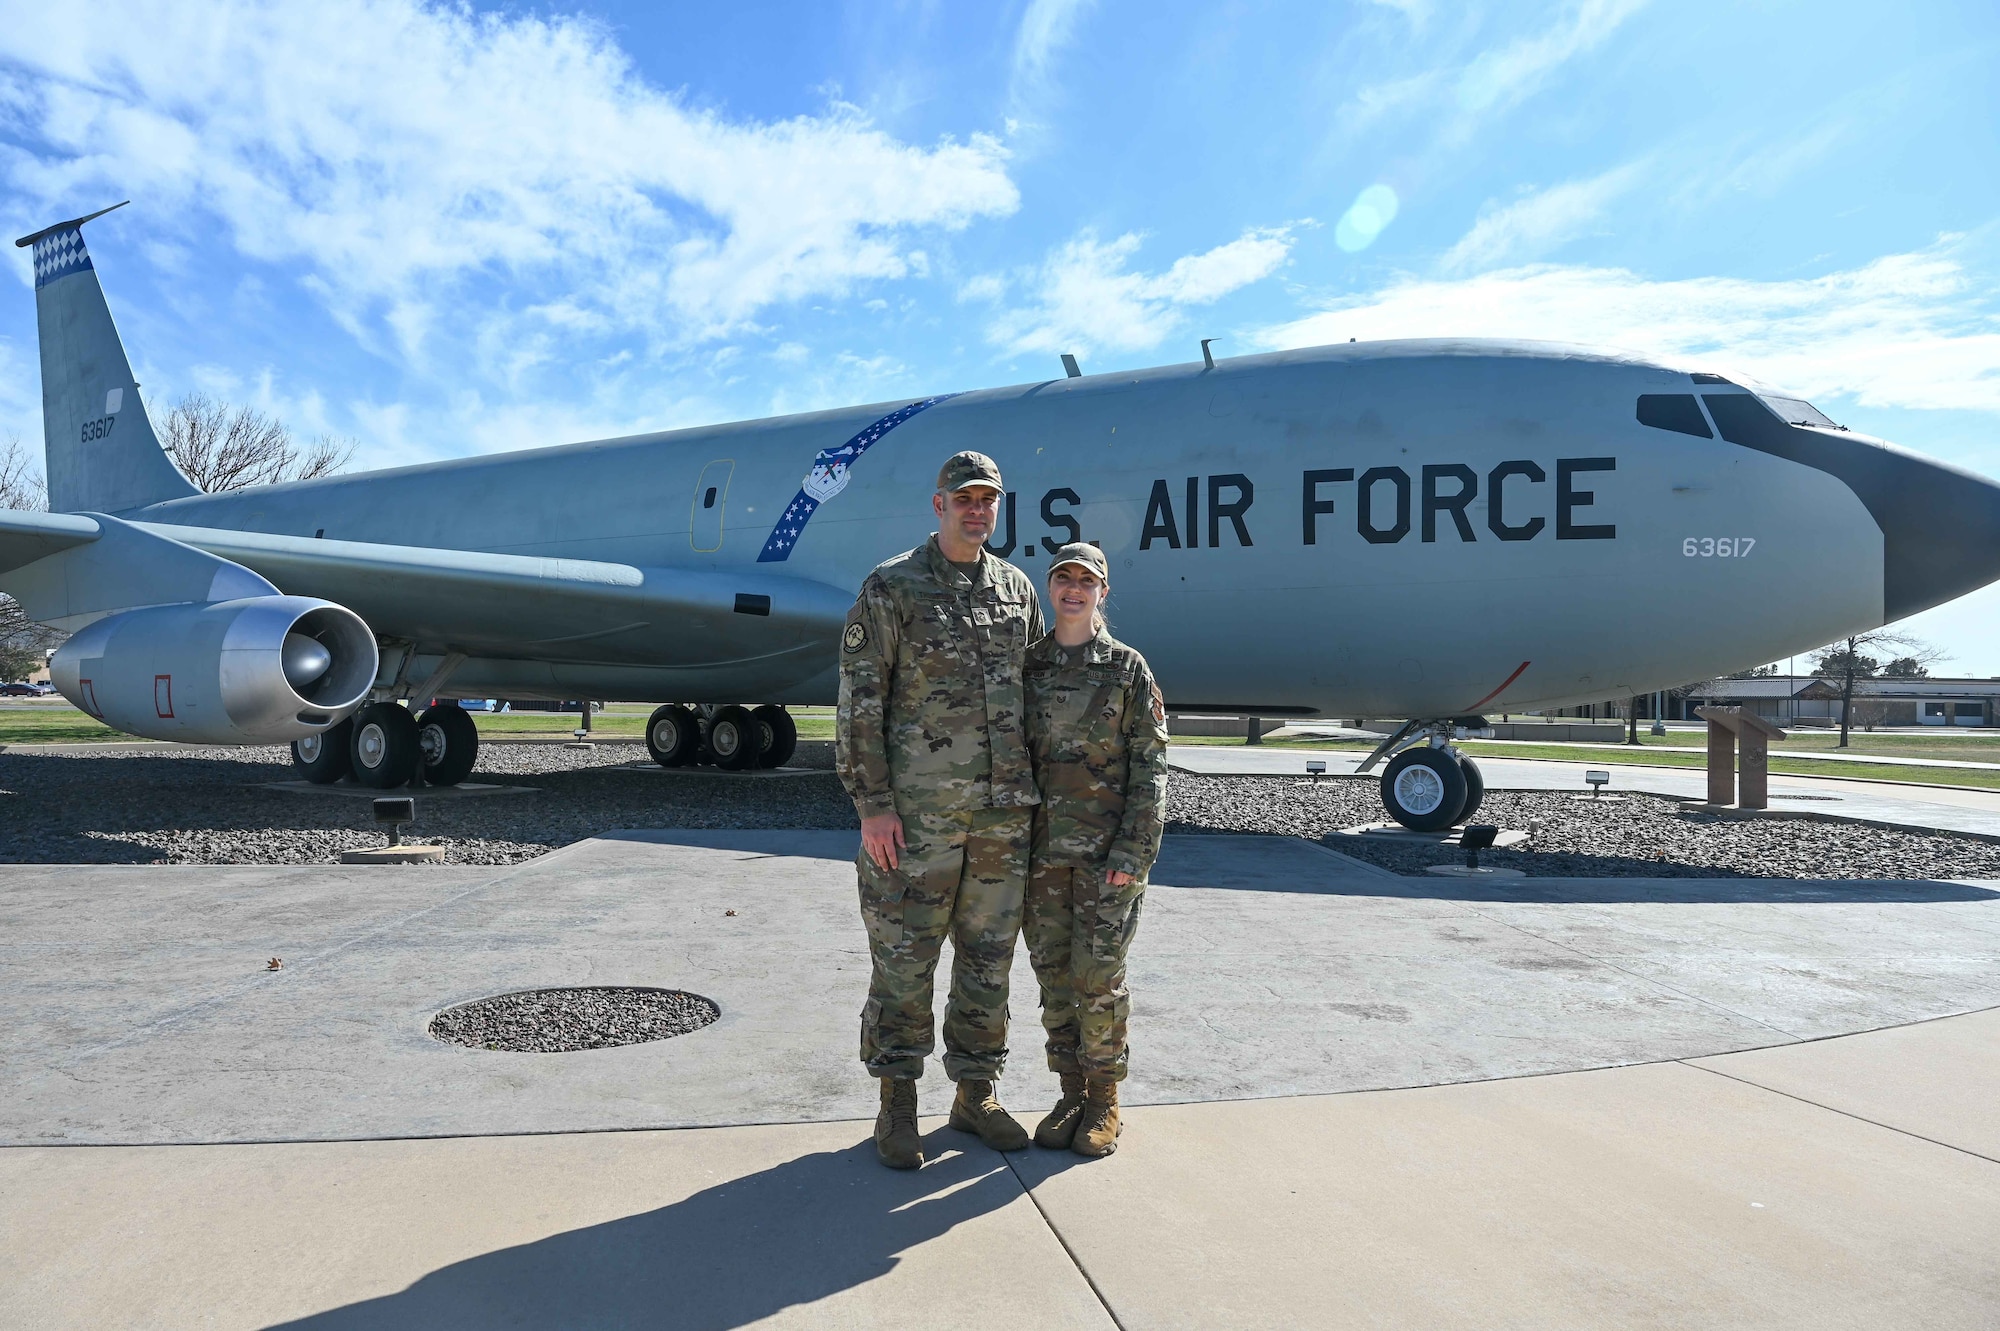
{"points": [[1429, 785]]}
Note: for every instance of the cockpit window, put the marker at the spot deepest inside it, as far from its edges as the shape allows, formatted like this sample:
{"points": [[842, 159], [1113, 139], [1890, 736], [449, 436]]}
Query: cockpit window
{"points": [[1673, 411], [1795, 411]]}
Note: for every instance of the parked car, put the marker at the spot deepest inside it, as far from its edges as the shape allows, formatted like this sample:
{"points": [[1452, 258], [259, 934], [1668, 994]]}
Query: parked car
{"points": [[21, 690]]}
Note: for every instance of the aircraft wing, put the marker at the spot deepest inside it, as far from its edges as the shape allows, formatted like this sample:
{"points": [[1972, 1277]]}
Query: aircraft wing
{"points": [[496, 605], [27, 537]]}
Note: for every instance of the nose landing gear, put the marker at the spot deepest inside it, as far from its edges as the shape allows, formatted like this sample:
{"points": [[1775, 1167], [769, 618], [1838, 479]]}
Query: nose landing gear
{"points": [[1429, 785]]}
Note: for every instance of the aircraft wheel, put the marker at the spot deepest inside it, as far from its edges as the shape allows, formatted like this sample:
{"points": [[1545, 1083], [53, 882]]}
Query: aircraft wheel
{"points": [[1424, 789], [733, 738], [780, 735], [673, 734], [1475, 789], [385, 747], [450, 744], [324, 758]]}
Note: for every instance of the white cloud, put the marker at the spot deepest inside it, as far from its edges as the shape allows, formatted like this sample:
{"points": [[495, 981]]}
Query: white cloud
{"points": [[1470, 93], [396, 152], [1532, 226], [986, 287], [1502, 77], [1084, 299], [1907, 330], [1046, 28]]}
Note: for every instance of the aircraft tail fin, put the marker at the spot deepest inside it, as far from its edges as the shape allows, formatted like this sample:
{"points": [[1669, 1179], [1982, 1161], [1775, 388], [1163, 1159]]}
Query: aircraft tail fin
{"points": [[100, 449]]}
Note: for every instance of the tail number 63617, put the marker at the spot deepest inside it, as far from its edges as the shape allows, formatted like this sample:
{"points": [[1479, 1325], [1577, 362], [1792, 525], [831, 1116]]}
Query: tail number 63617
{"points": [[1717, 547]]}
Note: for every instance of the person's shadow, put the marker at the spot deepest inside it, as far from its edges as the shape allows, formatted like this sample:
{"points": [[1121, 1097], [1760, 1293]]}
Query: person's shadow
{"points": [[726, 1256]]}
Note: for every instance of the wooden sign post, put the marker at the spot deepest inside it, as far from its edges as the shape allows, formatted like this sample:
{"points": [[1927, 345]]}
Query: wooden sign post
{"points": [[1731, 728]]}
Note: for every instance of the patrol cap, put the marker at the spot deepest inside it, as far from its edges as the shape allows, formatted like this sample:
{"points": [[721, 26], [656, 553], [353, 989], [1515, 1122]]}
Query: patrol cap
{"points": [[969, 468], [1084, 553]]}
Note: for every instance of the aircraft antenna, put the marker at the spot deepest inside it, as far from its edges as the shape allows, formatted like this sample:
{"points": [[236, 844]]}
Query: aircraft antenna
{"points": [[1207, 358], [1070, 366]]}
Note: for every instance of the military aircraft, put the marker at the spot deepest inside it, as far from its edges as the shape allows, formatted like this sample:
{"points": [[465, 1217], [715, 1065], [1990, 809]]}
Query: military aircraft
{"points": [[1425, 529]]}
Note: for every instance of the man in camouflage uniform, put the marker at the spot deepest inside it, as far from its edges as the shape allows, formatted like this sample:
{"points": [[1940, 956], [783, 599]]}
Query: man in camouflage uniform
{"points": [[932, 749]]}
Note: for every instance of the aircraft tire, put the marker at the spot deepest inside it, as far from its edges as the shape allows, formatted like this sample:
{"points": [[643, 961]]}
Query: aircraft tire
{"points": [[780, 734], [733, 738], [325, 758], [1424, 789], [673, 735], [385, 748], [1475, 789], [449, 742]]}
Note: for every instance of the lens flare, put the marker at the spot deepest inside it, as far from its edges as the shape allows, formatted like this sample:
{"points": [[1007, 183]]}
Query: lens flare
{"points": [[1373, 210]]}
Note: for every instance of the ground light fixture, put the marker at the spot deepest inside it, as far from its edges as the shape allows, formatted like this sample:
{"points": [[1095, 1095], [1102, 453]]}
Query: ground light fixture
{"points": [[1597, 780], [396, 813], [1475, 838], [1315, 768]]}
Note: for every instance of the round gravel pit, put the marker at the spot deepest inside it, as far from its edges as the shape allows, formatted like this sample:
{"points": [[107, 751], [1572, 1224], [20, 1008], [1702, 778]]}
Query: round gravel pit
{"points": [[563, 1021]]}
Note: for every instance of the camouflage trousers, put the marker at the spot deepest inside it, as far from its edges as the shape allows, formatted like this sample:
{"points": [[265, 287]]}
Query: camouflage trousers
{"points": [[1078, 930], [960, 876]]}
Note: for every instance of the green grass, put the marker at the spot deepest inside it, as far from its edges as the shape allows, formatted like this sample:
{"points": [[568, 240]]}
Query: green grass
{"points": [[1625, 753], [1945, 745], [59, 723], [1273, 742], [46, 723]]}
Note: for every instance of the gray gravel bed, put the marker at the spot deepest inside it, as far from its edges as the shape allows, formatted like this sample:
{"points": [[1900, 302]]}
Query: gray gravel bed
{"points": [[202, 806], [1640, 836], [562, 1021]]}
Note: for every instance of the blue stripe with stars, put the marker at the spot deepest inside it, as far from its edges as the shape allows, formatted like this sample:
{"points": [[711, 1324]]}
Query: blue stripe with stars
{"points": [[792, 523]]}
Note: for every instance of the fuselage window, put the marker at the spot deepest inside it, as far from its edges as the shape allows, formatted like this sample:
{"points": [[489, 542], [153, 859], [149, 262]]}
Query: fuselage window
{"points": [[1673, 411], [708, 500]]}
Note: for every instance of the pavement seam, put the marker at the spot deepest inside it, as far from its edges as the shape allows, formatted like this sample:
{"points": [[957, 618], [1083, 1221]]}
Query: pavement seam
{"points": [[258, 978], [1635, 975], [1833, 1109], [1068, 1251]]}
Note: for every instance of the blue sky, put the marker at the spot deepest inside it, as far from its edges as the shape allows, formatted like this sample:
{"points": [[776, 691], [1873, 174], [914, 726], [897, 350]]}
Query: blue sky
{"points": [[452, 230]]}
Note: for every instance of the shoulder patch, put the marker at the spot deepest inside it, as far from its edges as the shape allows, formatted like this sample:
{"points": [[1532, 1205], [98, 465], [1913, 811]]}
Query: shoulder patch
{"points": [[1159, 706], [855, 638]]}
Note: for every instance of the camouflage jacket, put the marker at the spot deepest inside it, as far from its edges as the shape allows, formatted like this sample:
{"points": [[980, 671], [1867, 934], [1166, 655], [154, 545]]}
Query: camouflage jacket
{"points": [[931, 699], [1098, 731]]}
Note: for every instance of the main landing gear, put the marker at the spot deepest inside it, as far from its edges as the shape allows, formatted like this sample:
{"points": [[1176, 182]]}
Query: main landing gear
{"points": [[383, 746], [733, 737], [1429, 785]]}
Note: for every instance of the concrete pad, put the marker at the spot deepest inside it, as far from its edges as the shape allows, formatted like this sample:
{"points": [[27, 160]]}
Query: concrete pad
{"points": [[1264, 966], [348, 789], [1658, 1197], [406, 853], [1935, 1079], [786, 1227], [754, 774]]}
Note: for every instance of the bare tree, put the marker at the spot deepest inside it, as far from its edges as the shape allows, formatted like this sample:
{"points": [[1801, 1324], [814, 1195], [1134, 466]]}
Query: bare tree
{"points": [[220, 447], [1847, 661], [23, 642]]}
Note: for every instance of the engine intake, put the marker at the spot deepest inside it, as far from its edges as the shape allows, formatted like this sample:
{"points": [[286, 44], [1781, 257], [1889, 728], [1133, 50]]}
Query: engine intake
{"points": [[263, 670]]}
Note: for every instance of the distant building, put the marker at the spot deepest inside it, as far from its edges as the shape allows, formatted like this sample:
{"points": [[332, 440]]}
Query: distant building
{"points": [[1809, 700]]}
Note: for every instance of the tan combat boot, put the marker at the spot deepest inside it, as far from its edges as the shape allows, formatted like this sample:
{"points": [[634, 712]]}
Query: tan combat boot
{"points": [[1059, 1128], [977, 1110], [1098, 1133], [896, 1140]]}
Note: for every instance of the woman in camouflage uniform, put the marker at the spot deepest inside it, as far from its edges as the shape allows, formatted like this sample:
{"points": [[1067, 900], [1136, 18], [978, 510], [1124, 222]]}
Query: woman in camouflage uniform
{"points": [[1097, 731]]}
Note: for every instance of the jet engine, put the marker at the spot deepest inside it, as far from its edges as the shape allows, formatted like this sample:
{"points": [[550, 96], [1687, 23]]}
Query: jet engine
{"points": [[263, 670]]}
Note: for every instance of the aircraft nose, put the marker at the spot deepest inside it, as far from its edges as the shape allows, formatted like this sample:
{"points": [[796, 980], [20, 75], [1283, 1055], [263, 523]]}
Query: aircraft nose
{"points": [[1940, 524]]}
